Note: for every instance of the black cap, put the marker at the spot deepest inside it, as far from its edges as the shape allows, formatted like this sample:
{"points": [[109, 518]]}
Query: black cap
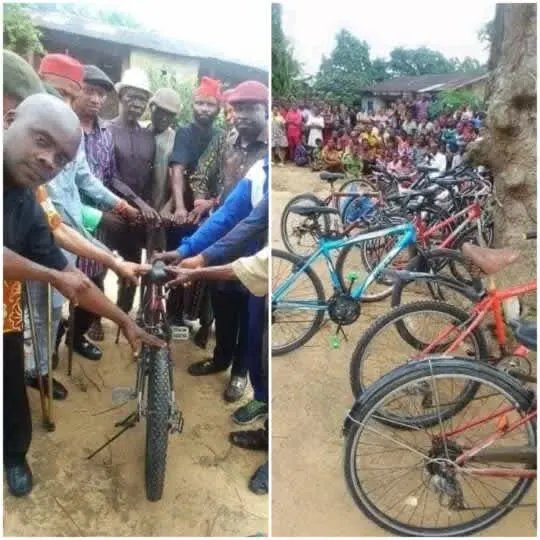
{"points": [[93, 75]]}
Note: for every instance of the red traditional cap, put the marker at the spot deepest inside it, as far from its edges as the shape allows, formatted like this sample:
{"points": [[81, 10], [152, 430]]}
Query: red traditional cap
{"points": [[249, 91], [209, 88], [62, 71]]}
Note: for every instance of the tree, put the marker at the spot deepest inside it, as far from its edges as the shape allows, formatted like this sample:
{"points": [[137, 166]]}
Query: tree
{"points": [[485, 34], [421, 61], [285, 68], [508, 146], [379, 70], [453, 100], [346, 71], [20, 34], [469, 65]]}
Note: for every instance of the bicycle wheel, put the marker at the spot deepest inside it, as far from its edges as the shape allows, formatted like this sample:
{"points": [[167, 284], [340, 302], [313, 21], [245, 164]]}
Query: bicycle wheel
{"points": [[392, 473], [306, 292], [437, 261], [157, 423], [297, 232], [392, 340]]}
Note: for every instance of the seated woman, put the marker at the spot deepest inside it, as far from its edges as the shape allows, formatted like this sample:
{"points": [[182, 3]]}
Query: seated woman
{"points": [[352, 162], [331, 157], [317, 162]]}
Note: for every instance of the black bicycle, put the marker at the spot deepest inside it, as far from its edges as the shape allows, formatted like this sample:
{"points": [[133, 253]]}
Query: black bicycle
{"points": [[154, 388]]}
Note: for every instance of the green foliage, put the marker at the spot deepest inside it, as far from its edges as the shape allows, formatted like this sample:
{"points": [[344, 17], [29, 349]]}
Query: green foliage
{"points": [[161, 77], [454, 99], [379, 70], [346, 71], [286, 70], [421, 61], [485, 34], [20, 34]]}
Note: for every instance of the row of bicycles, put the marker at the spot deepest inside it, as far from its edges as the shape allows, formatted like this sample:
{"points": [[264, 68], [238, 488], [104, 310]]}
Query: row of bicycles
{"points": [[441, 439]]}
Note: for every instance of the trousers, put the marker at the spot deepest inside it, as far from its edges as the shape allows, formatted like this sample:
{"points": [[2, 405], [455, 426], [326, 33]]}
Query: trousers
{"points": [[17, 419], [82, 319], [257, 350]]}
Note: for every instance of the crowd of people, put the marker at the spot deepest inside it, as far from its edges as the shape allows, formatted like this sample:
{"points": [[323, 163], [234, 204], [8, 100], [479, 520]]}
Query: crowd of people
{"points": [[83, 196], [342, 139]]}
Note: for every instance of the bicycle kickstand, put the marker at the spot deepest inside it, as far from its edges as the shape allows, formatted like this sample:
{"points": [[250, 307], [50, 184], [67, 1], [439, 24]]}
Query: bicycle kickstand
{"points": [[125, 424]]}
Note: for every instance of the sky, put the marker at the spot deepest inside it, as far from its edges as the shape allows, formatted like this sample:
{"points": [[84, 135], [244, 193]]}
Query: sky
{"points": [[449, 27], [239, 30]]}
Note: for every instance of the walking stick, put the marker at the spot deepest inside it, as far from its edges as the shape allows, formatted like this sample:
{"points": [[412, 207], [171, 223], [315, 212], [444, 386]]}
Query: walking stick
{"points": [[71, 337], [50, 424], [44, 412]]}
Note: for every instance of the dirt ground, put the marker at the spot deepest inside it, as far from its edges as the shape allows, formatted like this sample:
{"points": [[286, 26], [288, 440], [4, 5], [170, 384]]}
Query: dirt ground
{"points": [[310, 399], [206, 490]]}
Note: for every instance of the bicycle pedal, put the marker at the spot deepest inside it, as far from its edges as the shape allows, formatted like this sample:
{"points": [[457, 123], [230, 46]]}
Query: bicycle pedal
{"points": [[177, 422], [123, 394], [180, 333]]}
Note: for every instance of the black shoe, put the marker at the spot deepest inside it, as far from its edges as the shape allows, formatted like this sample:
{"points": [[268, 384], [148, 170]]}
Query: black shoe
{"points": [[235, 389], [87, 349], [259, 481], [59, 390], [19, 479], [253, 439], [206, 367]]}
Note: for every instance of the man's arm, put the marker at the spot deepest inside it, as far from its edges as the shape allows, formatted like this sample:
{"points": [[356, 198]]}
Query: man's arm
{"points": [[232, 245], [19, 268], [237, 206]]}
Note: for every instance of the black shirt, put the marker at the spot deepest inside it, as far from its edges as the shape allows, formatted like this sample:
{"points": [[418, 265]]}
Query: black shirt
{"points": [[26, 230], [189, 144]]}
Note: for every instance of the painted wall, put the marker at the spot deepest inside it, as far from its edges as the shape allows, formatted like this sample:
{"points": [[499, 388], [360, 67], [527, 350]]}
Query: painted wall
{"points": [[184, 68], [376, 103]]}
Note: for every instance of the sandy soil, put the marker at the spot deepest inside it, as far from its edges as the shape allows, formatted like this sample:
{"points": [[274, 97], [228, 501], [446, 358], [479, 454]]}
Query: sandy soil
{"points": [[206, 491], [310, 399]]}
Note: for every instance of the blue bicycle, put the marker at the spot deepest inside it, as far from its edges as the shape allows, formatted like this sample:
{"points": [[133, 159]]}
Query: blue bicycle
{"points": [[299, 299]]}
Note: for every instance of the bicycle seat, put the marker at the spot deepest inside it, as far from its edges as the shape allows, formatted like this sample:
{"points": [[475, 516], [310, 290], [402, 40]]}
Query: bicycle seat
{"points": [[330, 176], [490, 261], [312, 210], [158, 274], [525, 333]]}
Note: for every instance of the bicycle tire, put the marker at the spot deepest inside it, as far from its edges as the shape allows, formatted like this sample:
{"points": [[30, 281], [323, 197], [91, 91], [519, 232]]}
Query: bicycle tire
{"points": [[157, 423], [357, 360], [319, 290], [390, 383], [286, 212], [423, 263]]}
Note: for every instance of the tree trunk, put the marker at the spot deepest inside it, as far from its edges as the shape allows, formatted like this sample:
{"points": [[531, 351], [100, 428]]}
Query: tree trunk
{"points": [[508, 146]]}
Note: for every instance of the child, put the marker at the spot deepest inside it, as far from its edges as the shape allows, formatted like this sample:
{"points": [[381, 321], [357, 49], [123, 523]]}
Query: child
{"points": [[301, 157], [317, 162], [351, 161]]}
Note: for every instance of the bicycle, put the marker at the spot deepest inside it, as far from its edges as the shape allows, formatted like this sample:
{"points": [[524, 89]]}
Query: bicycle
{"points": [[465, 326], [154, 390], [466, 470], [343, 307]]}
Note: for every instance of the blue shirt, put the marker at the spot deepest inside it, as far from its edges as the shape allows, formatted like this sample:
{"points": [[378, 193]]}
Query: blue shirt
{"points": [[247, 194]]}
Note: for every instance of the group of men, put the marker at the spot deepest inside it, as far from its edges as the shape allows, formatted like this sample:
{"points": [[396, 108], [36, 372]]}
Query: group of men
{"points": [[82, 195]]}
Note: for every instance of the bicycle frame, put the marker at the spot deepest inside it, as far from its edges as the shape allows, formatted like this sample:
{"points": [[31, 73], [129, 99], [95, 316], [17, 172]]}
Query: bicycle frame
{"points": [[492, 303], [473, 213], [407, 237]]}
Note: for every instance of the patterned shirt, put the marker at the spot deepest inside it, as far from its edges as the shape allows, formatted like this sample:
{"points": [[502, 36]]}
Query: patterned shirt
{"points": [[225, 161], [99, 148]]}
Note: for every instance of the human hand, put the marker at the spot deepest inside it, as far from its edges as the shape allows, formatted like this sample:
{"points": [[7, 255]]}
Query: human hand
{"points": [[136, 336], [131, 212], [202, 207], [71, 283], [180, 216], [129, 270], [168, 257], [180, 276], [193, 262], [149, 215], [111, 221]]}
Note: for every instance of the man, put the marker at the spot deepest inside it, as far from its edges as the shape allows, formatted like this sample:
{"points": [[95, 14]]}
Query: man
{"points": [[42, 137], [134, 149], [65, 75], [246, 196], [253, 273], [21, 81], [215, 179], [190, 143], [164, 108]]}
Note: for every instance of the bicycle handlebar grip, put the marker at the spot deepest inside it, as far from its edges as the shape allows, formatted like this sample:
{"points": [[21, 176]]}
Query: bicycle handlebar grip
{"points": [[531, 235]]}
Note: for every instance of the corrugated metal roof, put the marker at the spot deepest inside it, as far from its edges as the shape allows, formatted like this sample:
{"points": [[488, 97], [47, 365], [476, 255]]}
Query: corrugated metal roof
{"points": [[426, 83], [136, 38]]}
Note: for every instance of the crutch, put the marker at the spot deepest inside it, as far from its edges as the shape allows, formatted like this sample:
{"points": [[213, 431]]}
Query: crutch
{"points": [[51, 426], [47, 423], [71, 337]]}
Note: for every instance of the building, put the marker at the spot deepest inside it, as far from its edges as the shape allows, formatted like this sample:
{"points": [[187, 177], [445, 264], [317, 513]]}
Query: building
{"points": [[381, 94], [115, 48]]}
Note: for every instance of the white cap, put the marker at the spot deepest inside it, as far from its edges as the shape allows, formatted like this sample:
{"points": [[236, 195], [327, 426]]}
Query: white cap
{"points": [[134, 78]]}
